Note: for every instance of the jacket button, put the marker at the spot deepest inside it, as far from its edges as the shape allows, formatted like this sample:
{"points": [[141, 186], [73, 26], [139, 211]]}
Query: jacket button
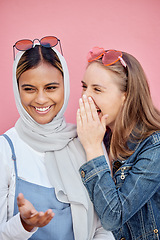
{"points": [[122, 177], [155, 230], [123, 239], [82, 174]]}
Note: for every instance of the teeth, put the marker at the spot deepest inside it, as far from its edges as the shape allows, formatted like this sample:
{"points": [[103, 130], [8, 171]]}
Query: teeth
{"points": [[42, 109]]}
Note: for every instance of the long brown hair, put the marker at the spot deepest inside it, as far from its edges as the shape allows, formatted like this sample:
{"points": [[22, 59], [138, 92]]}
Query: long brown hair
{"points": [[138, 118]]}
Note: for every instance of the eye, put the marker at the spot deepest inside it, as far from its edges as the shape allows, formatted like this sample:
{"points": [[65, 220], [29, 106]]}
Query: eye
{"points": [[51, 88], [84, 86], [29, 89], [97, 89]]}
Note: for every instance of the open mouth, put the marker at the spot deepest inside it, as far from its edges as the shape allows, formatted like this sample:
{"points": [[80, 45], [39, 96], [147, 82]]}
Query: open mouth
{"points": [[98, 111], [42, 110]]}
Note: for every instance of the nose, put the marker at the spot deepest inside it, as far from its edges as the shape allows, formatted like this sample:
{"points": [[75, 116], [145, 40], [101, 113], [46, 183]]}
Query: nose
{"points": [[41, 97], [88, 93]]}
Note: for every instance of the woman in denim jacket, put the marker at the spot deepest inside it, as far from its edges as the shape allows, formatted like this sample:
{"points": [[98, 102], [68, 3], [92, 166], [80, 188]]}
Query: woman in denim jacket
{"points": [[118, 126]]}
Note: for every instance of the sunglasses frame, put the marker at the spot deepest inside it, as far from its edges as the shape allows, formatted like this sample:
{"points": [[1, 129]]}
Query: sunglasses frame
{"points": [[33, 44], [102, 55]]}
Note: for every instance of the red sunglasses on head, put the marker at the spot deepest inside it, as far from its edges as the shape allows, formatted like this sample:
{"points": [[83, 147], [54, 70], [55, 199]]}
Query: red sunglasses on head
{"points": [[26, 44], [109, 57]]}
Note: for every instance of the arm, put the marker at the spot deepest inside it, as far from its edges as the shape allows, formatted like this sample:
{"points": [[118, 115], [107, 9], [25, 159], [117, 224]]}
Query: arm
{"points": [[115, 206], [10, 227], [102, 234], [23, 225], [30, 218]]}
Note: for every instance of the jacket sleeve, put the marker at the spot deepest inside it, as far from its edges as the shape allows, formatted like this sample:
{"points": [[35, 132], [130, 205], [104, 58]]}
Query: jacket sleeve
{"points": [[102, 234], [115, 205], [10, 227], [14, 230]]}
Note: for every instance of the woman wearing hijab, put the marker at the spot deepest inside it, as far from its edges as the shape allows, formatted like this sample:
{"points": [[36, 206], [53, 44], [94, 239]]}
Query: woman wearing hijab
{"points": [[41, 193]]}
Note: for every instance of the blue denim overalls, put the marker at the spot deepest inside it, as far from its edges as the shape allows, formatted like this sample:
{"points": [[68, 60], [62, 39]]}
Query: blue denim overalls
{"points": [[44, 198]]}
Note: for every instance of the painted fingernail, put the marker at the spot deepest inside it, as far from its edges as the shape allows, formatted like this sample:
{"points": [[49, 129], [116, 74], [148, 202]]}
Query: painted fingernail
{"points": [[84, 96], [90, 99], [81, 100]]}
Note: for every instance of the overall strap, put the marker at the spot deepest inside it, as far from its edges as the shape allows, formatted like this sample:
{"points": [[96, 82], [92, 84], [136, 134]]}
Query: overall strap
{"points": [[12, 149]]}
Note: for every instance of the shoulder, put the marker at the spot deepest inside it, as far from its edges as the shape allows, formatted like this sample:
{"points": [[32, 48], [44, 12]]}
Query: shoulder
{"points": [[16, 141], [6, 152], [149, 145], [155, 137], [11, 133], [152, 140]]}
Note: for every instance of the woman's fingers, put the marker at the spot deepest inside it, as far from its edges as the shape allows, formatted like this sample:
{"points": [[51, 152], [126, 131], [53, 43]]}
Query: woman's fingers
{"points": [[20, 200], [93, 109], [79, 120], [42, 219], [88, 111], [46, 218], [30, 217], [87, 108], [103, 120], [82, 111]]}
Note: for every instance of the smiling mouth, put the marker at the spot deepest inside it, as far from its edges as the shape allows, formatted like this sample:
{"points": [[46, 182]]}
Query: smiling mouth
{"points": [[98, 111], [42, 109]]}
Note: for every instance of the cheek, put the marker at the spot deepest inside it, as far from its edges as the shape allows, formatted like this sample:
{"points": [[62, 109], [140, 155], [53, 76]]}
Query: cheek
{"points": [[60, 97], [82, 92], [24, 99]]}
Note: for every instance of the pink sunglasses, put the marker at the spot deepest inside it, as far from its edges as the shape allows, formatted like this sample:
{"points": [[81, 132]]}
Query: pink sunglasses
{"points": [[109, 57], [26, 44]]}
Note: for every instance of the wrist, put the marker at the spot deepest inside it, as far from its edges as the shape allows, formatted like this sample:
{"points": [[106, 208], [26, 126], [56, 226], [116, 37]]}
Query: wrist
{"points": [[26, 226], [94, 152]]}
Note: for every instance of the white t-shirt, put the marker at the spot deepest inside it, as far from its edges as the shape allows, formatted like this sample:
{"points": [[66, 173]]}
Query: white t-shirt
{"points": [[31, 168]]}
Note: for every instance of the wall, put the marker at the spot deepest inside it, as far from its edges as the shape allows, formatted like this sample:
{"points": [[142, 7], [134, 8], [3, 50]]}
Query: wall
{"points": [[132, 26]]}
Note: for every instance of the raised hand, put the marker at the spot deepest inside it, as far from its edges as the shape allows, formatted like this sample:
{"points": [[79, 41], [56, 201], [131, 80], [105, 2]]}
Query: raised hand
{"points": [[30, 217], [90, 128]]}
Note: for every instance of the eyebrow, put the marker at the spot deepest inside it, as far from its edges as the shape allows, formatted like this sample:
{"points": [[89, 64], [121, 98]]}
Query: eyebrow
{"points": [[94, 85], [29, 85]]}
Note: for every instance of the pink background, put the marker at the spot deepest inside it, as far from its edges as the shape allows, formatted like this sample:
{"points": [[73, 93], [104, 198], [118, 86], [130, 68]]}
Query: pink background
{"points": [[128, 25]]}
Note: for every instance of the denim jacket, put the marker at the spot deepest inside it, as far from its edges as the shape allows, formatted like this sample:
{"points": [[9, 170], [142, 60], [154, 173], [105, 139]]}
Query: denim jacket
{"points": [[129, 203]]}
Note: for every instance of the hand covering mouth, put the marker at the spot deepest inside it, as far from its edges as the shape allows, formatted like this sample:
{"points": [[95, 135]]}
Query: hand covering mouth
{"points": [[97, 108]]}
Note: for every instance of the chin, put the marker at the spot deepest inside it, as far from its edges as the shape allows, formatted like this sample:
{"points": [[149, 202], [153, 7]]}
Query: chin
{"points": [[43, 121]]}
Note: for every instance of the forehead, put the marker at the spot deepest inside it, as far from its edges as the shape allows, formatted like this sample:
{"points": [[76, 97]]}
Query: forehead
{"points": [[97, 74], [43, 73]]}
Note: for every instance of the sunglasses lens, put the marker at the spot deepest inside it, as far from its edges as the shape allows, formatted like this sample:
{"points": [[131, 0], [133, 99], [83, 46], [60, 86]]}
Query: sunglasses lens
{"points": [[49, 41], [111, 57], [95, 53], [23, 45]]}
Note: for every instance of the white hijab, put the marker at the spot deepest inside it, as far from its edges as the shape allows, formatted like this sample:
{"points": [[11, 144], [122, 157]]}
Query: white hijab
{"points": [[63, 156], [47, 137]]}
